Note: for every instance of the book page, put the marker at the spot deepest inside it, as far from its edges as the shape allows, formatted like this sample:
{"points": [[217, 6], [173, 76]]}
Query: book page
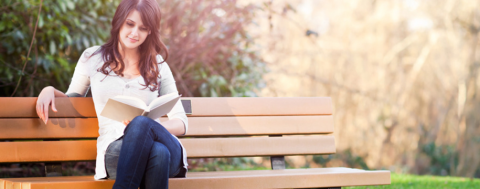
{"points": [[161, 100], [132, 101], [166, 106], [120, 111]]}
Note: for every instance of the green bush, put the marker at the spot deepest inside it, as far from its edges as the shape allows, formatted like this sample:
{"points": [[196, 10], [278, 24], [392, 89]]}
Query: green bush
{"points": [[347, 157], [224, 164], [65, 29], [442, 158]]}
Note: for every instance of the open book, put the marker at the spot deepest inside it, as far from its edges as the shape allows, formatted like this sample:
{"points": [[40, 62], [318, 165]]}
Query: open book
{"points": [[122, 108]]}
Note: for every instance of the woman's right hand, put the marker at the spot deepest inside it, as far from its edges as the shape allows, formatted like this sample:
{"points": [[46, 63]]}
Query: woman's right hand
{"points": [[46, 97], [126, 122]]}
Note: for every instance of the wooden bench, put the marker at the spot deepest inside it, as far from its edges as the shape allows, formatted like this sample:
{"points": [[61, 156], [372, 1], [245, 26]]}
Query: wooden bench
{"points": [[218, 127]]}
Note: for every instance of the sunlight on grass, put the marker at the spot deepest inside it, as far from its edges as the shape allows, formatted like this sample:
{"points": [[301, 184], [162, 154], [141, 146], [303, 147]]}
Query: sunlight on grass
{"points": [[426, 182]]}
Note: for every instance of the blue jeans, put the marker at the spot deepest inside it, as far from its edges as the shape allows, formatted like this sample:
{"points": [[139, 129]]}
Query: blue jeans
{"points": [[148, 156]]}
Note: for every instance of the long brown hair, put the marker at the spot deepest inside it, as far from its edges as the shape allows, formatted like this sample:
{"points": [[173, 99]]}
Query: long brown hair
{"points": [[152, 46]]}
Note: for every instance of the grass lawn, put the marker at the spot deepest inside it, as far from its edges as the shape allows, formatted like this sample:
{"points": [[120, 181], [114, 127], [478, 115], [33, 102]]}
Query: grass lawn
{"points": [[426, 182]]}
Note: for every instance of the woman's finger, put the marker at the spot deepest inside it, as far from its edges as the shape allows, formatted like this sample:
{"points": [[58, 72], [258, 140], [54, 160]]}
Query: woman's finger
{"points": [[41, 112], [40, 109], [45, 113], [37, 109], [53, 105]]}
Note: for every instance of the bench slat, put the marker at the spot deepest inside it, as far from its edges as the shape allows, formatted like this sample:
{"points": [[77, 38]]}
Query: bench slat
{"points": [[242, 106], [34, 128], [70, 107], [259, 146], [85, 150], [288, 178], [221, 106], [56, 128], [259, 125], [48, 151]]}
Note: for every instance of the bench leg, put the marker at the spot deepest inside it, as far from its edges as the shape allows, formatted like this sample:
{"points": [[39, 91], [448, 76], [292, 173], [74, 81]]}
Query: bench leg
{"points": [[278, 162], [53, 169]]}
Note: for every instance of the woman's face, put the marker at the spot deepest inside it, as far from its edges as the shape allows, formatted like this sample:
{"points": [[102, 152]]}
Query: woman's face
{"points": [[133, 33]]}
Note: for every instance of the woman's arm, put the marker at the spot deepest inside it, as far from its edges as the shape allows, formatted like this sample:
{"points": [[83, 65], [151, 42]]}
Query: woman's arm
{"points": [[174, 126], [45, 99], [78, 87], [177, 116]]}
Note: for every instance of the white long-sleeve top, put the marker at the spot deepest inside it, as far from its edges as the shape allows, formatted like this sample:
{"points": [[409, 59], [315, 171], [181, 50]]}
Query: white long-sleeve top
{"points": [[104, 87]]}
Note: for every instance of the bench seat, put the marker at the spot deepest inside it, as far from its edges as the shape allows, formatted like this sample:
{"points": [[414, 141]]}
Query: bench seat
{"points": [[218, 127], [286, 178]]}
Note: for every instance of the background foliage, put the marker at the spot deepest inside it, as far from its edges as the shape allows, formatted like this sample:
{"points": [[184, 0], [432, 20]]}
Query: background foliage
{"points": [[65, 29], [210, 49], [403, 76]]}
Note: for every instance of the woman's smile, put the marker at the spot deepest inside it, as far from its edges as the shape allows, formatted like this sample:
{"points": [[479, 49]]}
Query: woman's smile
{"points": [[132, 40]]}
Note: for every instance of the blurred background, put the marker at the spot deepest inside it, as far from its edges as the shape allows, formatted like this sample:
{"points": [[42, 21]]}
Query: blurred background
{"points": [[403, 74]]}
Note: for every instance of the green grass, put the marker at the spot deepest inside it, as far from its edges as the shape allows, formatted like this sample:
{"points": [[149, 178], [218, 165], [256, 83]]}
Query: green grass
{"points": [[400, 181]]}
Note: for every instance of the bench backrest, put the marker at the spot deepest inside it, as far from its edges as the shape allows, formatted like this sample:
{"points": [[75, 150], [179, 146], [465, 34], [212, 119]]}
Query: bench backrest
{"points": [[218, 127]]}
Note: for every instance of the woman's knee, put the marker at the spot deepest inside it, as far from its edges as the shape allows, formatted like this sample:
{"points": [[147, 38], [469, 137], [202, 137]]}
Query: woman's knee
{"points": [[138, 126], [160, 153], [141, 120]]}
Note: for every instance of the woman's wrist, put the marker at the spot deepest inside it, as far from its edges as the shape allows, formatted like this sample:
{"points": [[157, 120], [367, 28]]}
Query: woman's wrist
{"points": [[55, 92], [49, 88]]}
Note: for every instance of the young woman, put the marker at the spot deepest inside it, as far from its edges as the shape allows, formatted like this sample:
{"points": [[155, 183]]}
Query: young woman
{"points": [[130, 64]]}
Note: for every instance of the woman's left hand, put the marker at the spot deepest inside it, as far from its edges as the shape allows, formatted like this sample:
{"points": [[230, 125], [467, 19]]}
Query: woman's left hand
{"points": [[126, 122]]}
